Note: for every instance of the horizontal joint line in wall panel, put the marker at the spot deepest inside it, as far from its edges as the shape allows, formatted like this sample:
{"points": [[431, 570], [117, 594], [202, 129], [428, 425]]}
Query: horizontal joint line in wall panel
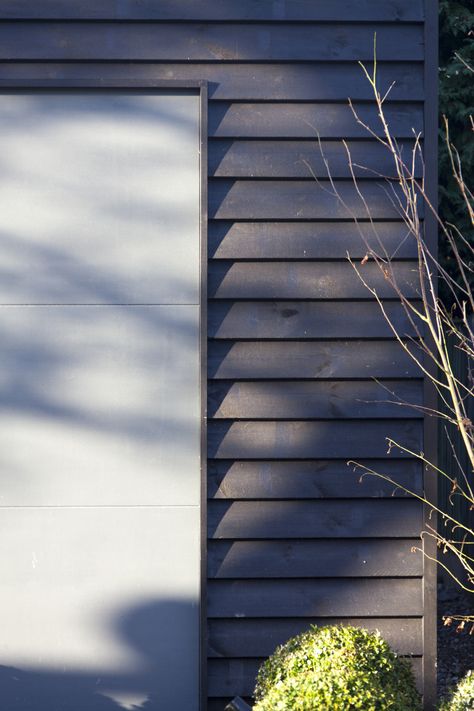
{"points": [[302, 299], [319, 339], [313, 339], [104, 506], [296, 379], [297, 179], [327, 499], [304, 458], [343, 460], [341, 617], [329, 577], [310, 220], [312, 539], [316, 379], [302, 139], [92, 305], [303, 260], [291, 579], [342, 499], [207, 21], [339, 102], [338, 419], [226, 62]]}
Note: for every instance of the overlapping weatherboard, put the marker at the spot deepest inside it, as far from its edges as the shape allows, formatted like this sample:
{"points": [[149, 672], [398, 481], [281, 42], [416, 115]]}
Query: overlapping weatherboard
{"points": [[265, 90], [101, 402]]}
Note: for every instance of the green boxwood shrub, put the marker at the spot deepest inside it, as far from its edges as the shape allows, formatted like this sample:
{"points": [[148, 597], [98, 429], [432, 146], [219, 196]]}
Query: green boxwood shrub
{"points": [[337, 668], [462, 698]]}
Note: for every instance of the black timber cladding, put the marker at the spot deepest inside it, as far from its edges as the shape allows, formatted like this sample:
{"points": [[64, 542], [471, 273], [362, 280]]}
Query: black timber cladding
{"points": [[294, 340]]}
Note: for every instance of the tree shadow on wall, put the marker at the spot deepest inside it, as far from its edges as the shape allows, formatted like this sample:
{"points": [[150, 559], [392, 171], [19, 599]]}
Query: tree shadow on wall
{"points": [[163, 636]]}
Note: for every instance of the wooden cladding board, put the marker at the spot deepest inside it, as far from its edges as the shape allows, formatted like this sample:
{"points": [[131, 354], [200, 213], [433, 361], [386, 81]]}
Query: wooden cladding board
{"points": [[374, 518], [296, 537], [281, 320], [212, 42], [295, 240], [302, 200], [235, 638], [208, 10], [311, 280], [317, 479], [315, 400], [310, 120], [357, 597], [241, 673], [289, 360], [314, 559], [313, 81], [291, 439], [306, 159]]}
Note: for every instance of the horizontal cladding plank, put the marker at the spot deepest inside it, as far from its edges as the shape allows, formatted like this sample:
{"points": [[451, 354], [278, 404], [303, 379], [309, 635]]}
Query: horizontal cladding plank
{"points": [[305, 319], [378, 597], [313, 559], [251, 120], [333, 439], [208, 42], [236, 677], [259, 638], [311, 479], [300, 399], [305, 159], [308, 81], [308, 240], [311, 280], [266, 360], [370, 10], [372, 518], [302, 200]]}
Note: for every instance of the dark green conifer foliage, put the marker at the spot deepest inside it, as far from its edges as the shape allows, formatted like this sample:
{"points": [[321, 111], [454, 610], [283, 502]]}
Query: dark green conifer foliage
{"points": [[456, 102]]}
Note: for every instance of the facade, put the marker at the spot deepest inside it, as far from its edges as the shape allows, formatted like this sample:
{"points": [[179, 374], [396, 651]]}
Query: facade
{"points": [[290, 337]]}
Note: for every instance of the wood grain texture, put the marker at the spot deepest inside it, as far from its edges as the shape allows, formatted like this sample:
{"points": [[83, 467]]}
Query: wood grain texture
{"points": [[373, 10], [286, 551], [237, 676], [315, 400], [310, 479], [315, 598], [309, 120], [238, 360], [212, 42], [314, 559], [333, 439], [302, 200], [310, 280], [305, 159], [304, 320], [374, 518], [308, 240], [259, 638], [269, 82]]}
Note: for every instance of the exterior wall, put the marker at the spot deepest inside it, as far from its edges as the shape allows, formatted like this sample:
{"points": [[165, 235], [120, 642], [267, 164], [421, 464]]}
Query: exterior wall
{"points": [[294, 339]]}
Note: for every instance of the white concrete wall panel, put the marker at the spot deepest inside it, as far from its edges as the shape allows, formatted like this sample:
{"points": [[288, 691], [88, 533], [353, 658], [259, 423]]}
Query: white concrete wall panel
{"points": [[99, 400]]}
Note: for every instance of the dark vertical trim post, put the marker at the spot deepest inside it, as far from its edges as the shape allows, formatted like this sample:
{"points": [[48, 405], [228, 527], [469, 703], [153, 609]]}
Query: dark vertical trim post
{"points": [[430, 398], [203, 375]]}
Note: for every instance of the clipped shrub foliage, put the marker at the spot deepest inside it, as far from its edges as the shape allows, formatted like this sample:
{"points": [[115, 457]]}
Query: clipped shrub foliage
{"points": [[462, 698], [337, 668]]}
